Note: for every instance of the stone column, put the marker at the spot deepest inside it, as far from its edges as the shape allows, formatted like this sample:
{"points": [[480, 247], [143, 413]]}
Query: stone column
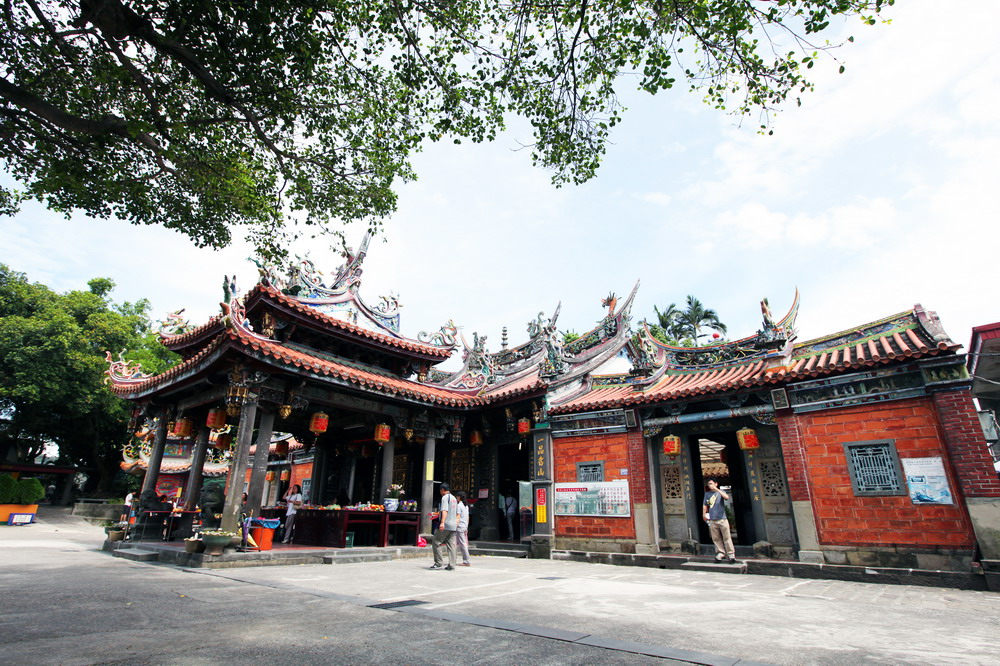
{"points": [[388, 459], [156, 457], [317, 488], [541, 460], [197, 469], [490, 516], [255, 491], [427, 487], [238, 467]]}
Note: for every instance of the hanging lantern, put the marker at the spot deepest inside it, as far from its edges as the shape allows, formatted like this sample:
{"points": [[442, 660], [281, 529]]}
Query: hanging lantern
{"points": [[269, 476], [284, 411], [672, 446], [286, 475], [408, 434], [747, 439], [184, 427], [281, 449], [382, 432], [319, 423], [476, 438], [523, 426], [216, 418]]}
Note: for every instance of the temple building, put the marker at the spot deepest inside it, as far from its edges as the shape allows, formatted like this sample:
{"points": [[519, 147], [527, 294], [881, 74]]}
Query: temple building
{"points": [[859, 447]]}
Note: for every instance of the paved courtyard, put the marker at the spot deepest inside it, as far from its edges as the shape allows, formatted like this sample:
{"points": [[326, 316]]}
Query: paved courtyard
{"points": [[65, 602]]}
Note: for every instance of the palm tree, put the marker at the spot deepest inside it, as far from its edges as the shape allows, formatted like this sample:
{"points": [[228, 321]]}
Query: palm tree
{"points": [[695, 318], [668, 321]]}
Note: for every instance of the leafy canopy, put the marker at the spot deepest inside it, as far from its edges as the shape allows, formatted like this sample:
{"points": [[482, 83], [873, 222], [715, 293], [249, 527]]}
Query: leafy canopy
{"points": [[687, 326], [52, 370], [206, 116]]}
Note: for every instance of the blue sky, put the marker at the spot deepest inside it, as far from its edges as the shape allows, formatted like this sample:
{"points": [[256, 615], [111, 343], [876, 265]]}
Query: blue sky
{"points": [[875, 194]]}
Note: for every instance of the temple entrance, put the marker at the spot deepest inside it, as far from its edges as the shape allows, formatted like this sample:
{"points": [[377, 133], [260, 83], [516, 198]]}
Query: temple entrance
{"points": [[514, 467], [718, 456]]}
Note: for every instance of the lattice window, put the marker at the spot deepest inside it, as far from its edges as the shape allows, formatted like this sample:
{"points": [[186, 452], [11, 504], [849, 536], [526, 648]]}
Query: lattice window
{"points": [[400, 465], [670, 476], [461, 469], [589, 471], [874, 468], [772, 479]]}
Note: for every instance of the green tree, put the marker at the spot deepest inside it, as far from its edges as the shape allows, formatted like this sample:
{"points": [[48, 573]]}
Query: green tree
{"points": [[685, 327], [52, 369], [205, 115]]}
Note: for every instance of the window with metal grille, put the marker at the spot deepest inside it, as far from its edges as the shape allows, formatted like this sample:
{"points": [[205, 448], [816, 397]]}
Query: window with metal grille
{"points": [[590, 471], [874, 468]]}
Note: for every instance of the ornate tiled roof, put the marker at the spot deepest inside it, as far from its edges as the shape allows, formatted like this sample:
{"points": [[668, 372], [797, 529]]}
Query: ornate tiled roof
{"points": [[385, 339], [908, 335], [243, 341]]}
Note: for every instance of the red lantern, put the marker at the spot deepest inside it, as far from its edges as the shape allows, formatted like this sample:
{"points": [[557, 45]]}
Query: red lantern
{"points": [[319, 423], [269, 476], [672, 446], [716, 336], [476, 438], [216, 418], [382, 432], [747, 439], [285, 475], [280, 449], [183, 428], [523, 426]]}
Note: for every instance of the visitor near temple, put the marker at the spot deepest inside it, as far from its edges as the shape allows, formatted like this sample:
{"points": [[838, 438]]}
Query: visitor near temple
{"points": [[718, 523]]}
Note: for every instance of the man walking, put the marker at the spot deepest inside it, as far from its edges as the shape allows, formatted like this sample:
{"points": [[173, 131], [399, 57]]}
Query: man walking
{"points": [[718, 524], [447, 526]]}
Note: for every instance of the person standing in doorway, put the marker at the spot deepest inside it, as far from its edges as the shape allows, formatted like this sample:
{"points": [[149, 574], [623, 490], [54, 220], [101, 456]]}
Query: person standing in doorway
{"points": [[447, 526], [715, 515], [510, 512], [293, 499], [462, 532]]}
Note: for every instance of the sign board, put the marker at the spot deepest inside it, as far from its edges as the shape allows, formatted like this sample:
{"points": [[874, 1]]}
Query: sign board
{"points": [[927, 481], [593, 498], [541, 460], [484, 493], [541, 498], [21, 519]]}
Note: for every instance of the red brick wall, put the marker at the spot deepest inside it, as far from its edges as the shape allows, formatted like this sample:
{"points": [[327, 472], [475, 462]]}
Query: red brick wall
{"points": [[846, 520], [617, 451], [301, 472], [794, 454], [963, 436]]}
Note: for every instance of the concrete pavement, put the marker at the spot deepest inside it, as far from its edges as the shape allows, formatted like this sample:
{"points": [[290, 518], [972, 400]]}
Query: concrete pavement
{"points": [[70, 603]]}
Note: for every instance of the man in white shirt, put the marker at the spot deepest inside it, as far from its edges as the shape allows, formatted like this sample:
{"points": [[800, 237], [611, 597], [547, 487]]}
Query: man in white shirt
{"points": [[446, 529]]}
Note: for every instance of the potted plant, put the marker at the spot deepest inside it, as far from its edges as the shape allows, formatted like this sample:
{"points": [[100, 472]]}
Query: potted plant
{"points": [[19, 496], [194, 544], [216, 540], [392, 496], [115, 530]]}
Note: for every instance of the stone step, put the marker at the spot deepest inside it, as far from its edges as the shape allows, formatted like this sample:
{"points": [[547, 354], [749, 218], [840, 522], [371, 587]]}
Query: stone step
{"points": [[498, 551], [137, 554], [356, 558], [716, 567]]}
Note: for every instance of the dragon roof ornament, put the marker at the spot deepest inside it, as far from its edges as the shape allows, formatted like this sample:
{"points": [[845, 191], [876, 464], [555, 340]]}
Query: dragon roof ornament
{"points": [[174, 324], [122, 371], [337, 296], [544, 353]]}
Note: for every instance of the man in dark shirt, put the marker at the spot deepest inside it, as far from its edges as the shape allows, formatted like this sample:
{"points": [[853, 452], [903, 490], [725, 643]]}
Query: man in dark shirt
{"points": [[715, 515]]}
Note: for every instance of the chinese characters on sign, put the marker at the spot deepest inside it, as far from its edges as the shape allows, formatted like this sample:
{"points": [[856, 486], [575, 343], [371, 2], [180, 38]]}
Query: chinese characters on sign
{"points": [[541, 509], [926, 480], [595, 498], [541, 459]]}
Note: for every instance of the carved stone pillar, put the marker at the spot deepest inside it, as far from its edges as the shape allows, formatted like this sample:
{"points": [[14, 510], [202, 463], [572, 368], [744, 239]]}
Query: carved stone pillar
{"points": [[238, 467], [156, 457], [255, 491], [388, 459], [427, 487], [197, 469]]}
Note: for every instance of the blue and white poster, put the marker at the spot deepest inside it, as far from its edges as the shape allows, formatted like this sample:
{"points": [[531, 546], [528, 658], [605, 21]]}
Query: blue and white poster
{"points": [[926, 480]]}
